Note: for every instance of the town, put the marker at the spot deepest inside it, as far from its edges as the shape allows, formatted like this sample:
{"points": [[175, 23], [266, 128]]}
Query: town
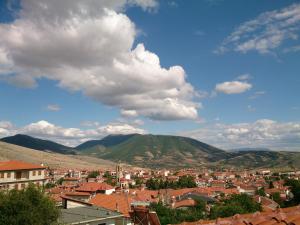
{"points": [[128, 196]]}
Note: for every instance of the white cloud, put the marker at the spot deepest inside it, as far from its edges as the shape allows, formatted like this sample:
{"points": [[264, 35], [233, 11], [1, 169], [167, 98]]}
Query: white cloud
{"points": [[5, 128], [295, 48], [257, 94], [69, 136], [262, 133], [53, 107], [233, 87], [266, 32], [250, 108], [78, 44], [244, 77], [173, 4]]}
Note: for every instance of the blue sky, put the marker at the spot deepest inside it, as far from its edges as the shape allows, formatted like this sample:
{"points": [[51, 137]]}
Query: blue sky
{"points": [[72, 77]]}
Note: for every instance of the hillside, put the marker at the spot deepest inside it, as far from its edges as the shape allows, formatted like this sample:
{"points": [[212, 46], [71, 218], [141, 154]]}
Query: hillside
{"points": [[107, 141], [158, 151], [38, 144], [155, 151], [263, 159], [55, 160]]}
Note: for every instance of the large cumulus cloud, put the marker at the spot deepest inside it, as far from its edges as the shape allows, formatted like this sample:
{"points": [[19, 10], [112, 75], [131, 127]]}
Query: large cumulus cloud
{"points": [[88, 46]]}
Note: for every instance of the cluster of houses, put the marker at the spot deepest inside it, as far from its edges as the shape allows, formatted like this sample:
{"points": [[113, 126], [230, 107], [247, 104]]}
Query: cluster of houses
{"points": [[96, 200]]}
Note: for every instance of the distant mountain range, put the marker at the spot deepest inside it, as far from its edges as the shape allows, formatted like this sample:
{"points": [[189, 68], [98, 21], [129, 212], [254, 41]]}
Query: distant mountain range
{"points": [[38, 144], [250, 150], [164, 151]]}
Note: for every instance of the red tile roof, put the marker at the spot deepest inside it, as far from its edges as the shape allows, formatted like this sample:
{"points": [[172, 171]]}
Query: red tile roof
{"points": [[285, 216], [18, 165], [185, 203], [94, 186], [115, 202]]}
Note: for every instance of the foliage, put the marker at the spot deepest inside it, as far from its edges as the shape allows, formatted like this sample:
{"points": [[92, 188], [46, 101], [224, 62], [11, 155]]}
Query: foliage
{"points": [[60, 180], [93, 174], [295, 189], [183, 182], [109, 179], [271, 185], [261, 192], [276, 197], [49, 185], [30, 206], [174, 216], [236, 204]]}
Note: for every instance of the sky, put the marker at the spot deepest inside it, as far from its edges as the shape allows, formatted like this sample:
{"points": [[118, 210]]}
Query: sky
{"points": [[223, 72]]}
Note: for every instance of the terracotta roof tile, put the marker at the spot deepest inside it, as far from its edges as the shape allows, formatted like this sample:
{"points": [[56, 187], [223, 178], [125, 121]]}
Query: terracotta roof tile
{"points": [[94, 186], [18, 165], [115, 202]]}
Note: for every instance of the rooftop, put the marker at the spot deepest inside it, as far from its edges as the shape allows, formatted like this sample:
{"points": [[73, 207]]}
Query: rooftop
{"points": [[86, 213], [18, 165]]}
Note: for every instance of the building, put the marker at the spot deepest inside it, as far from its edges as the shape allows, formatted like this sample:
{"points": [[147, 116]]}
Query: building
{"points": [[94, 188], [77, 212], [17, 175]]}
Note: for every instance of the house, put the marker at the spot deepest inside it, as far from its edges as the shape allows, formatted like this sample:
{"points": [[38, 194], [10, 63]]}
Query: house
{"points": [[290, 216], [143, 216], [17, 175], [94, 188], [78, 212], [115, 202]]}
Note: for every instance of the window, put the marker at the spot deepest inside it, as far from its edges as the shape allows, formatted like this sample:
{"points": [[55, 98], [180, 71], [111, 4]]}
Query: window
{"points": [[1, 175], [22, 186], [16, 186], [33, 173], [8, 174], [40, 172]]}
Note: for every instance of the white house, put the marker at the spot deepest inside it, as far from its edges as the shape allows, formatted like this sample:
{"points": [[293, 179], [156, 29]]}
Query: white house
{"points": [[17, 174]]}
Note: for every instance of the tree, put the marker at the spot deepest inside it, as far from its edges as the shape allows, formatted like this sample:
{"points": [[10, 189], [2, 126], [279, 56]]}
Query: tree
{"points": [[93, 174], [183, 182], [236, 204], [60, 181], [174, 216], [30, 206], [295, 189], [186, 182], [261, 192], [271, 185], [276, 197]]}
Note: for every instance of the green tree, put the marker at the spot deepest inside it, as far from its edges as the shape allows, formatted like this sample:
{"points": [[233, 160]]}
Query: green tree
{"points": [[261, 192], [276, 197], [174, 216], [236, 204], [295, 189], [93, 174], [271, 185], [29, 206], [186, 182]]}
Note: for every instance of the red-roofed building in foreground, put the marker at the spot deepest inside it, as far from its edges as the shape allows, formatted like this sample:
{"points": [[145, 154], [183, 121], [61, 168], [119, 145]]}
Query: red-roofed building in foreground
{"points": [[17, 174]]}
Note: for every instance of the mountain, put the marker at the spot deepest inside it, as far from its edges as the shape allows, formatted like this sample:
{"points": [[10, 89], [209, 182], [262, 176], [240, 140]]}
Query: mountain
{"points": [[262, 159], [155, 150], [107, 141], [38, 144], [54, 160], [165, 151], [161, 151], [250, 150]]}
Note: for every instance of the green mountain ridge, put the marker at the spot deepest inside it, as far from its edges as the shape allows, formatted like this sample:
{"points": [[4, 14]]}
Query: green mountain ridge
{"points": [[164, 151], [38, 144]]}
